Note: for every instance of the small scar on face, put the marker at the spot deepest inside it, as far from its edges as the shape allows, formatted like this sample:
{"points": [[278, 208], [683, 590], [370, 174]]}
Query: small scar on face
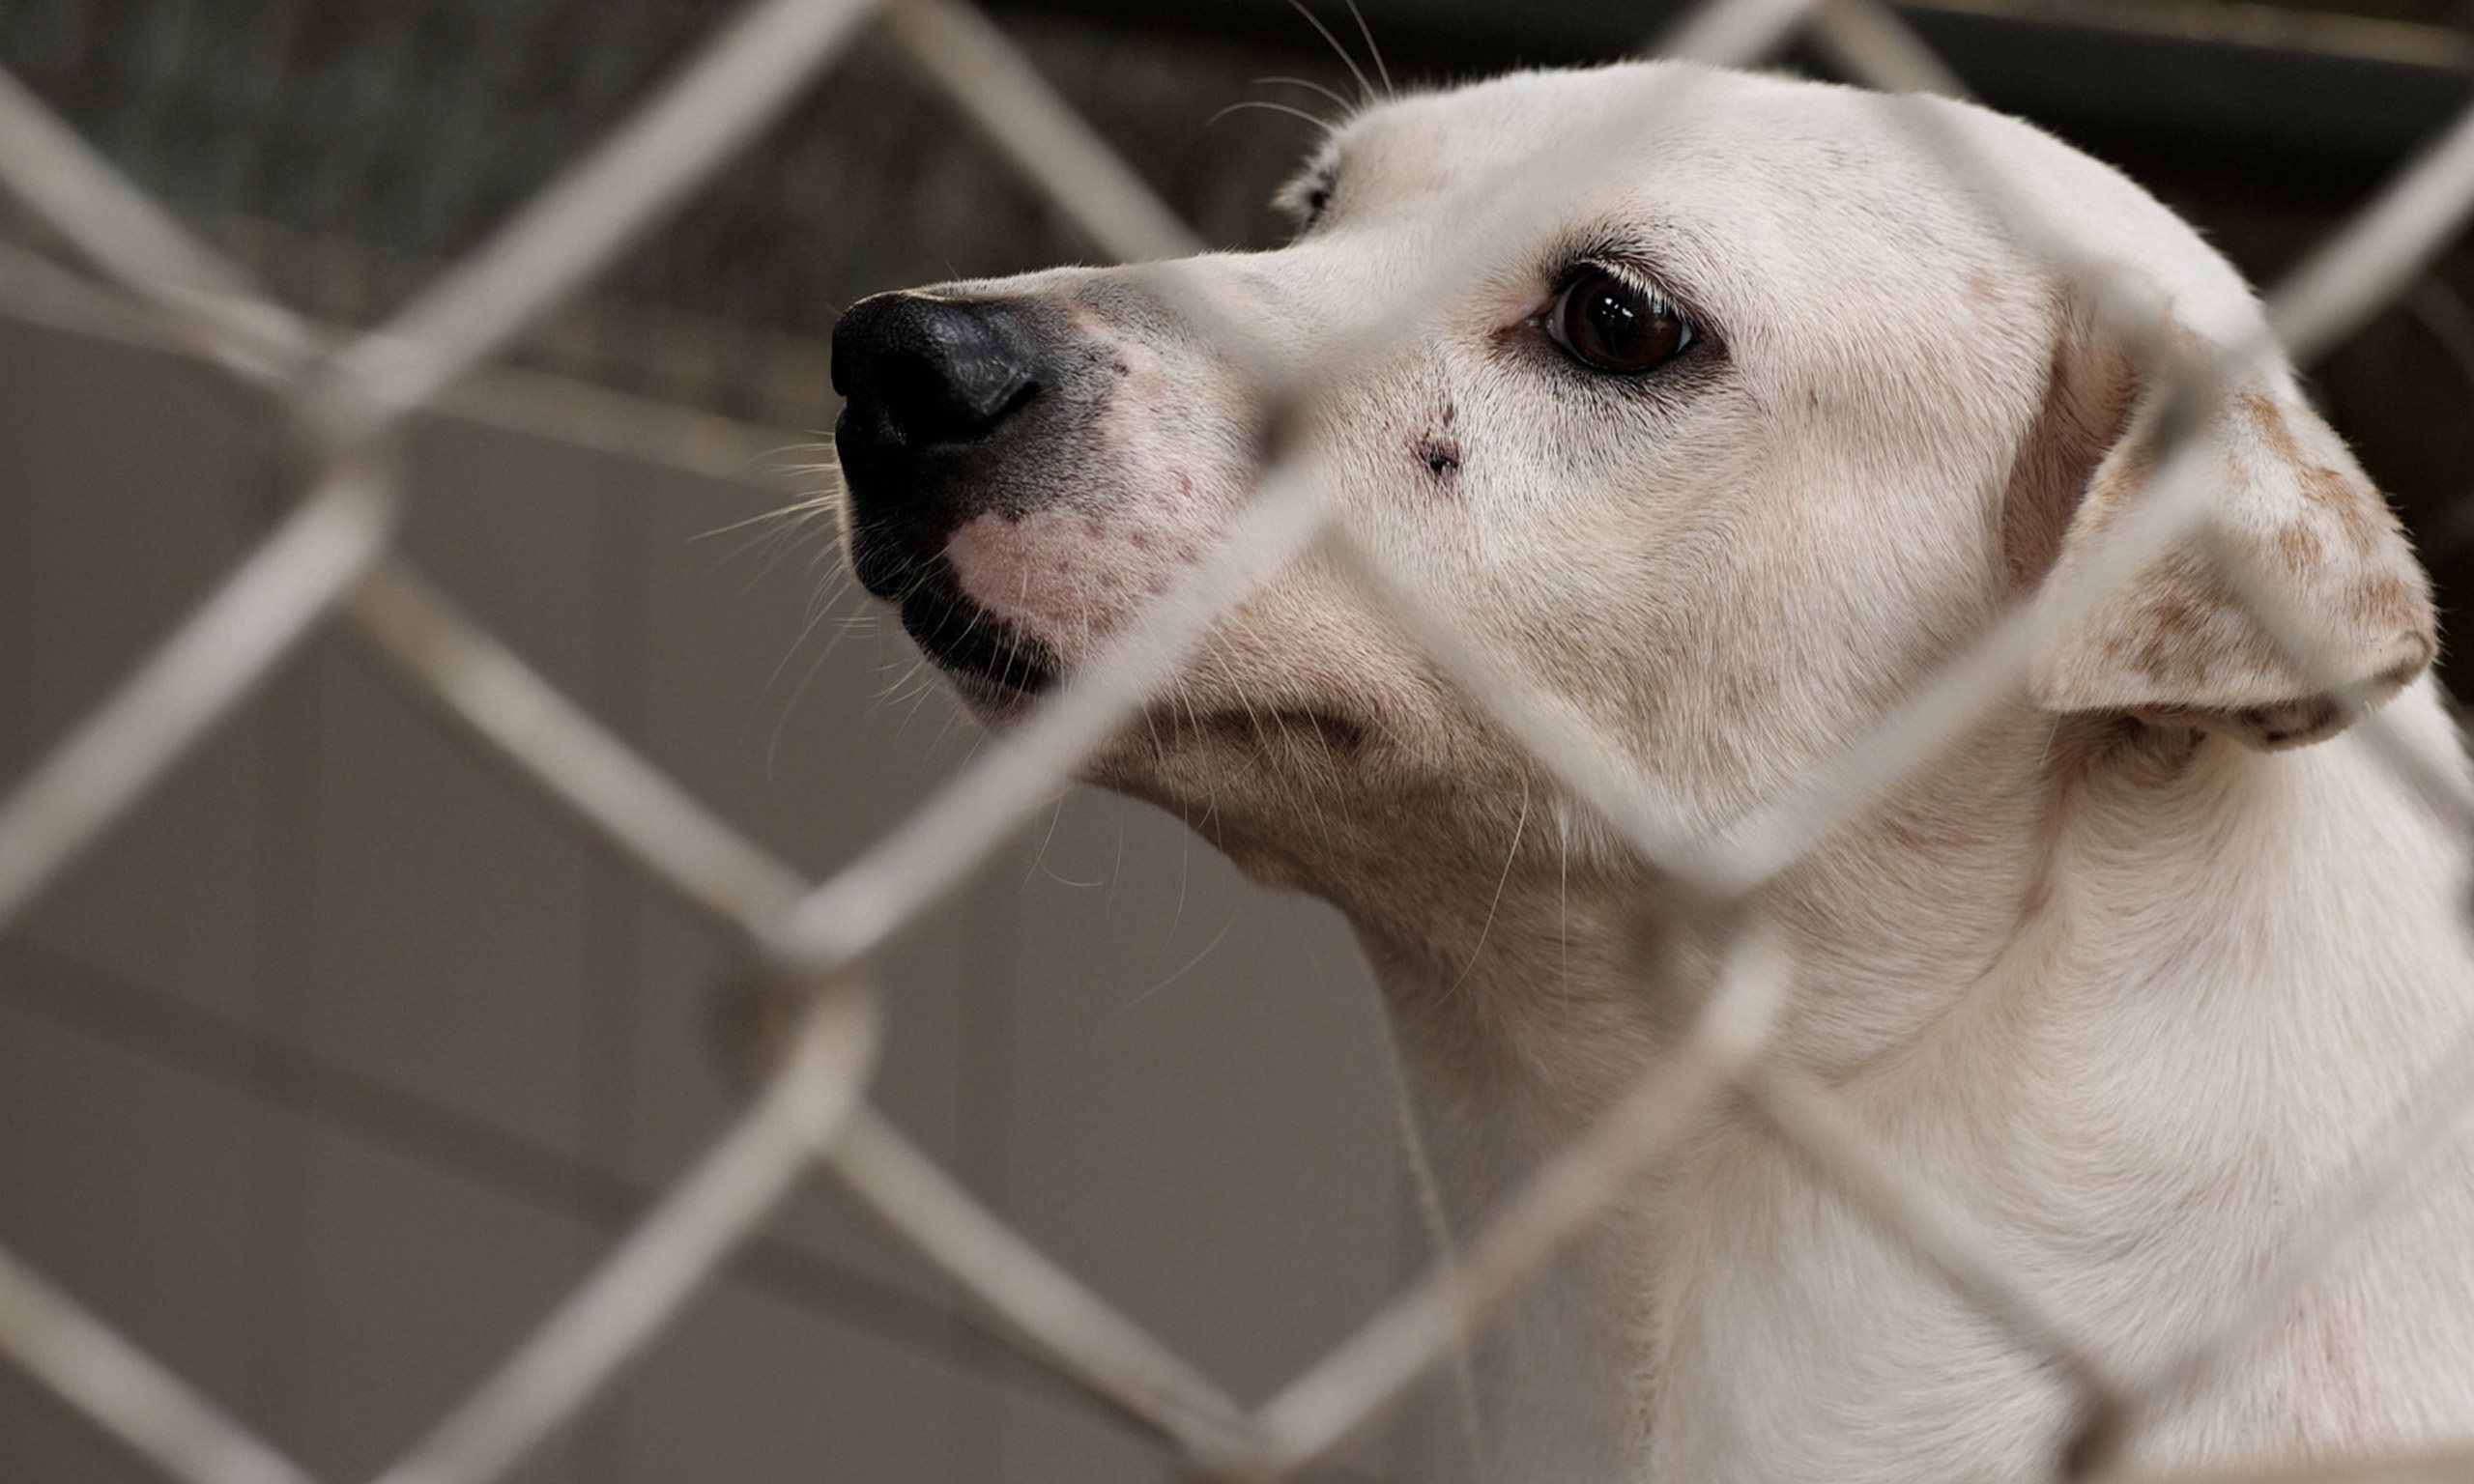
{"points": [[1440, 452]]}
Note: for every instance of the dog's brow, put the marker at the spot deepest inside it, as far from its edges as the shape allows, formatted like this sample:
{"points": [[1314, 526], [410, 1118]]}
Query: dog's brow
{"points": [[1655, 251]]}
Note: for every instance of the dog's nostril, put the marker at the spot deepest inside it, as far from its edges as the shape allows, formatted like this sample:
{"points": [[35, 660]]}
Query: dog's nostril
{"points": [[926, 407], [1020, 397], [923, 371]]}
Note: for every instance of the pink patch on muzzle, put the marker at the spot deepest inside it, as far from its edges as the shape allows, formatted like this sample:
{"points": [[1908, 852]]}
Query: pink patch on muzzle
{"points": [[1063, 577]]}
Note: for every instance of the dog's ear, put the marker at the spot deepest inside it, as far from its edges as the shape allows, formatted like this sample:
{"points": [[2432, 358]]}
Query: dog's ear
{"points": [[2173, 644]]}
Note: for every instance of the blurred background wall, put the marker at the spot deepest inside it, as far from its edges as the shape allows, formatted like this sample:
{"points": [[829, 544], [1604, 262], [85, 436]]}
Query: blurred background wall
{"points": [[341, 1060]]}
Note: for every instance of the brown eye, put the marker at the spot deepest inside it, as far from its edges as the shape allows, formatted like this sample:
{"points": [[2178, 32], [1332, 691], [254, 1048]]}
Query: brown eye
{"points": [[1618, 327]]}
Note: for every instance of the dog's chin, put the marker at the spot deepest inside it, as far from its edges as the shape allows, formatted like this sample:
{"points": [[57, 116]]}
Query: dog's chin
{"points": [[1003, 684], [1003, 673], [999, 670], [1179, 728], [996, 706], [1254, 731]]}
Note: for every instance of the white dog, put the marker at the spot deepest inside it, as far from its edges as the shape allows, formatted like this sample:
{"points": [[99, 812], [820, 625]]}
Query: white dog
{"points": [[1746, 422]]}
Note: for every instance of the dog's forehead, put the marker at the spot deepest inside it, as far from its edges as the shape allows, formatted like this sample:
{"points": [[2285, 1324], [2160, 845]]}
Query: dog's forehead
{"points": [[1763, 199], [1687, 128]]}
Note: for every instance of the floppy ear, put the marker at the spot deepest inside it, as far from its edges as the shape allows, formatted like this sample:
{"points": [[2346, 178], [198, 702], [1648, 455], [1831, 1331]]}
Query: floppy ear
{"points": [[2173, 644]]}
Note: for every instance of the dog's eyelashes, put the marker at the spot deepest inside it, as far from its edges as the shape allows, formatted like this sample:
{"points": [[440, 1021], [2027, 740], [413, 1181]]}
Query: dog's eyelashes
{"points": [[1608, 323], [1308, 198]]}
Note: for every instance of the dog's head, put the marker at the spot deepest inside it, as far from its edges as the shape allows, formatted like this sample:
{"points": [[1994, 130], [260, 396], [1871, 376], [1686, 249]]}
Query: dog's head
{"points": [[1721, 406]]}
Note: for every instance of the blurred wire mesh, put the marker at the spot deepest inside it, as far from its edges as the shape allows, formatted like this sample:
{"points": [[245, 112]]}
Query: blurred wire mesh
{"points": [[346, 149], [362, 162]]}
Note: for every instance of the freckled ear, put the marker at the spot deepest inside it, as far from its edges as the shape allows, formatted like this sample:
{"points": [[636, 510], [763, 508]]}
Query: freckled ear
{"points": [[2173, 645]]}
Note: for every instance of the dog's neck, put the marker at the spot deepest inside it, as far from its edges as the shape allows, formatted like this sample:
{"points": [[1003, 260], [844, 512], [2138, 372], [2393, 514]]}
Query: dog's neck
{"points": [[2027, 868], [1539, 976], [2040, 883]]}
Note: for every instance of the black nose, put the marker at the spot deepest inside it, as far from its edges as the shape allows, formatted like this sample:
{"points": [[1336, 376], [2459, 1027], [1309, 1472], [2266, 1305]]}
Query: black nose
{"points": [[918, 373]]}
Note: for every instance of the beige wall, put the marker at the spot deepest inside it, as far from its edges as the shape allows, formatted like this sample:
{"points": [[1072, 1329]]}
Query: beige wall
{"points": [[342, 1058]]}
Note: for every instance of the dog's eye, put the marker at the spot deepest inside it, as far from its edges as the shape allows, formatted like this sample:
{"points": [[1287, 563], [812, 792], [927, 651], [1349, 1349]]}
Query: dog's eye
{"points": [[1310, 201], [1612, 324]]}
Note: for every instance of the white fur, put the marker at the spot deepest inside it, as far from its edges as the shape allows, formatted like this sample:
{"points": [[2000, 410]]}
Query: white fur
{"points": [[2127, 975]]}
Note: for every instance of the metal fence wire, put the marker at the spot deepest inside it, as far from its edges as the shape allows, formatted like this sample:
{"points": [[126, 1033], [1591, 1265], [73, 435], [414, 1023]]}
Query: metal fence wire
{"points": [[343, 148], [331, 561]]}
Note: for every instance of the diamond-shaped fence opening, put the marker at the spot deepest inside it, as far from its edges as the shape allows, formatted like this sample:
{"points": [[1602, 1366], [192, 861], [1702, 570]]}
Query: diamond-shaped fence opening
{"points": [[331, 561]]}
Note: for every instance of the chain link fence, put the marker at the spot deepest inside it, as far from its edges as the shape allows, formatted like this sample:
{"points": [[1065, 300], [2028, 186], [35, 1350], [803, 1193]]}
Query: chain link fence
{"points": [[330, 559], [346, 151]]}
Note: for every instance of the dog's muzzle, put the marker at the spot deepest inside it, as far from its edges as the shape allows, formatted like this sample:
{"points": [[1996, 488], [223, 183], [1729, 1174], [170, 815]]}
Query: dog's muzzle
{"points": [[940, 398]]}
